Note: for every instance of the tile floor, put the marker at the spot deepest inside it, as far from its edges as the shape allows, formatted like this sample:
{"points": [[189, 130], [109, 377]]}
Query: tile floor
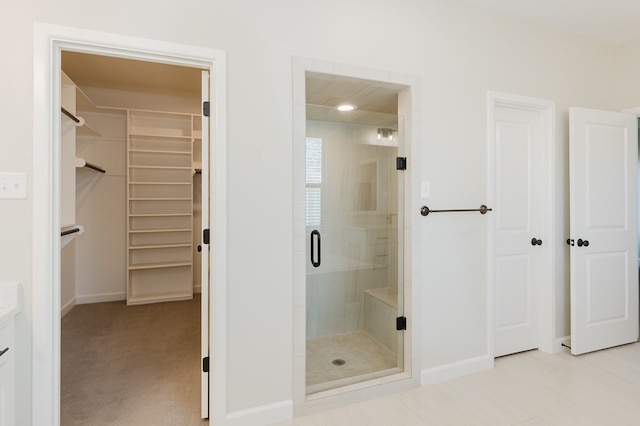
{"points": [[531, 388], [363, 357]]}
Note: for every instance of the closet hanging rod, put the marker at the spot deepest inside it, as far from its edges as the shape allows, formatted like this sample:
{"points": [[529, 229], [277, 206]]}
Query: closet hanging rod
{"points": [[69, 231], [71, 116], [94, 167], [424, 211]]}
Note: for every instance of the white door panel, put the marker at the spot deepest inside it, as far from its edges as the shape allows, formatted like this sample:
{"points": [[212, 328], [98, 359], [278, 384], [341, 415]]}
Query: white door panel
{"points": [[519, 218], [515, 319], [604, 268]]}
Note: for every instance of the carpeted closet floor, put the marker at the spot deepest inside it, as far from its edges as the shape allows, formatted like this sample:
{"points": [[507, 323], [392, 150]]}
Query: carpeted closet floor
{"points": [[131, 365]]}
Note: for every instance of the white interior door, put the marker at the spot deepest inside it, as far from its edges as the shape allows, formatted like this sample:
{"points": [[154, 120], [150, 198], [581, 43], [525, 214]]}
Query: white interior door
{"points": [[206, 252], [519, 240], [604, 254]]}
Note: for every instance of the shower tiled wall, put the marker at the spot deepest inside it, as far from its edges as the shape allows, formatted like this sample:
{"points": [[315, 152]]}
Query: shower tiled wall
{"points": [[335, 298]]}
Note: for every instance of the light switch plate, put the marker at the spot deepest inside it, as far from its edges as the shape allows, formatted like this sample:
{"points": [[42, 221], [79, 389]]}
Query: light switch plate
{"points": [[13, 186], [425, 189]]}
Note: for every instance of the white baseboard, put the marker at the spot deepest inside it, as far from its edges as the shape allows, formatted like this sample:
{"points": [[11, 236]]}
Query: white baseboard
{"points": [[67, 307], [454, 370], [99, 298], [262, 415]]}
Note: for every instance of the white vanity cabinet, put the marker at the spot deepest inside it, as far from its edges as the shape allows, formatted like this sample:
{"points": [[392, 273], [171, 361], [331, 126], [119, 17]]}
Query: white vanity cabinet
{"points": [[8, 308], [7, 378]]}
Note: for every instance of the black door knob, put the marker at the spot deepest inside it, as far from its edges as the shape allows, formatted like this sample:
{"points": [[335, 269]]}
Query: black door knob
{"points": [[584, 243], [536, 242]]}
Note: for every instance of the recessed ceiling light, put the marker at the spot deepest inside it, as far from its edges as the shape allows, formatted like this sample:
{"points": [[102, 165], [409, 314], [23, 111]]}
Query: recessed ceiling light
{"points": [[345, 107]]}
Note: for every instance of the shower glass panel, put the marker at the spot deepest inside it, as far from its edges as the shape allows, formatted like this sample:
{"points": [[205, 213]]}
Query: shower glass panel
{"points": [[354, 247]]}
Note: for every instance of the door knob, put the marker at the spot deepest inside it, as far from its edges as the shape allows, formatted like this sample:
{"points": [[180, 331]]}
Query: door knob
{"points": [[536, 242], [584, 243]]}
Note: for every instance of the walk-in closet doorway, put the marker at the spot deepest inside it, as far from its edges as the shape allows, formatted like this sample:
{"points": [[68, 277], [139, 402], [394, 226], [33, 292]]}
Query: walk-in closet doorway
{"points": [[49, 44], [131, 167]]}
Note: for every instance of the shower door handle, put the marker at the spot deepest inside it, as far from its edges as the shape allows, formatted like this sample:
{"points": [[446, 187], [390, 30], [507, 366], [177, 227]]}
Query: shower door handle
{"points": [[315, 233]]}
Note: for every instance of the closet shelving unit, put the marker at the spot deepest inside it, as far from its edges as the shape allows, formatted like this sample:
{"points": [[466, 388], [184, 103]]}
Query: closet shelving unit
{"points": [[83, 103], [159, 206], [73, 99]]}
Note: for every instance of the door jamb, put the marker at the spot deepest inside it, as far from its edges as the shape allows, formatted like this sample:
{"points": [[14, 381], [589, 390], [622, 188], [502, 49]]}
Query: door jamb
{"points": [[49, 41], [546, 298]]}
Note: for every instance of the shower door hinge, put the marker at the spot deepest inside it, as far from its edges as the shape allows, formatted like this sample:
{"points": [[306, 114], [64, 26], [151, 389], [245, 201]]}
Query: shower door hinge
{"points": [[205, 364], [401, 163], [206, 108], [205, 236], [401, 323]]}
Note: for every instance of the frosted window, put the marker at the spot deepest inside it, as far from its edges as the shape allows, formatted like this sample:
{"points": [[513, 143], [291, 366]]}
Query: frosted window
{"points": [[313, 181]]}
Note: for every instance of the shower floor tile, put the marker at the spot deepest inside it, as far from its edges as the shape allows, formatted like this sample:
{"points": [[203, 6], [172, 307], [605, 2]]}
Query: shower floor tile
{"points": [[361, 354]]}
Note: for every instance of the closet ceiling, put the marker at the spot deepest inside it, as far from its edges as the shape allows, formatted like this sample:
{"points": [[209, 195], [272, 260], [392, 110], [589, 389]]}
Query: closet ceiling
{"points": [[126, 74]]}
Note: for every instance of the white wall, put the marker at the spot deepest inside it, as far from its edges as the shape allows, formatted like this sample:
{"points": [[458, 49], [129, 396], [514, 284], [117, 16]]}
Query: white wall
{"points": [[627, 72], [458, 52], [101, 208]]}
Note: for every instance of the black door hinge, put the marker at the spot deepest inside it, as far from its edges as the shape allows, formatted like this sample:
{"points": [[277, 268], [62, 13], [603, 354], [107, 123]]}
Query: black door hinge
{"points": [[401, 163], [206, 108], [205, 365], [401, 323], [205, 236]]}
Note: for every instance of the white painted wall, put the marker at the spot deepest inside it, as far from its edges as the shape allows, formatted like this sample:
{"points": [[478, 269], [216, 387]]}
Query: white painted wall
{"points": [[627, 72], [458, 52], [101, 207]]}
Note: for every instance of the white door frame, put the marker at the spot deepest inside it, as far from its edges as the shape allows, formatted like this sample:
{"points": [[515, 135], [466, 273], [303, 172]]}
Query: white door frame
{"points": [[409, 107], [546, 298], [49, 41]]}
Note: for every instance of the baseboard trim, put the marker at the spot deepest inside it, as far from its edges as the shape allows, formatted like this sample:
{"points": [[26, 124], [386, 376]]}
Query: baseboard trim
{"points": [[454, 370], [100, 298], [263, 415], [197, 289], [67, 307]]}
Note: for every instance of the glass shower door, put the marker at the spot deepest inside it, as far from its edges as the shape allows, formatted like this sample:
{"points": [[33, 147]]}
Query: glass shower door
{"points": [[354, 250]]}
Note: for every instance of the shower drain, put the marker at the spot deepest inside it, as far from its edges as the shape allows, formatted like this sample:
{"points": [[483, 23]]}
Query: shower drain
{"points": [[339, 362]]}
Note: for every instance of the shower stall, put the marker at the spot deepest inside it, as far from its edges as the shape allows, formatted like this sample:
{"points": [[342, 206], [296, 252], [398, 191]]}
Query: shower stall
{"points": [[354, 273]]}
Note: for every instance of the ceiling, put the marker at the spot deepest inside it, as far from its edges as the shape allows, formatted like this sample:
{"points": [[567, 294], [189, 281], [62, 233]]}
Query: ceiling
{"points": [[332, 90], [126, 74], [376, 102], [611, 21]]}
